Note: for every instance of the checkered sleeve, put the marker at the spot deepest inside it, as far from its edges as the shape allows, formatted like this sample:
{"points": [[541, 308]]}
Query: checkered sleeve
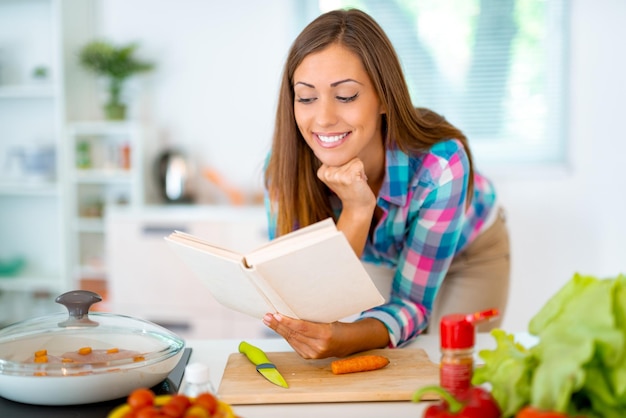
{"points": [[432, 230]]}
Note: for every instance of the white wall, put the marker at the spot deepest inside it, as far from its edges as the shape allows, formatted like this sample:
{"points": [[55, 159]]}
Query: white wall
{"points": [[215, 89]]}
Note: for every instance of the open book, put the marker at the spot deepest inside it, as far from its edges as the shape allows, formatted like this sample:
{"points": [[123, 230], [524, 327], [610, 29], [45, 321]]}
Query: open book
{"points": [[310, 274]]}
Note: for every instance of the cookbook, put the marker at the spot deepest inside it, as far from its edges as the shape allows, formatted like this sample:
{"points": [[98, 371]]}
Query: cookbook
{"points": [[311, 274]]}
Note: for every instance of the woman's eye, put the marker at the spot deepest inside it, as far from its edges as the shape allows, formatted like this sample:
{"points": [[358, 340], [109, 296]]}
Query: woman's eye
{"points": [[347, 99], [305, 100]]}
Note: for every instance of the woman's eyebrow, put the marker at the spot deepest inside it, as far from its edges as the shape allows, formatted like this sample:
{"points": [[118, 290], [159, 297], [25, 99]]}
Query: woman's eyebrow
{"points": [[335, 84], [347, 80]]}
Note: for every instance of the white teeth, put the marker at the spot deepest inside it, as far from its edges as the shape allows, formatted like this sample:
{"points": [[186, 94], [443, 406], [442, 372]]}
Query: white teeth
{"points": [[333, 138]]}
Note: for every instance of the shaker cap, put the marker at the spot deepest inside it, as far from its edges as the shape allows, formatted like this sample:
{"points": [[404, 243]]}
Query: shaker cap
{"points": [[459, 330], [197, 373]]}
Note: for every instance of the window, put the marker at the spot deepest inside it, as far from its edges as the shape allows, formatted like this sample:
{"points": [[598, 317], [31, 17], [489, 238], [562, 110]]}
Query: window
{"points": [[494, 68]]}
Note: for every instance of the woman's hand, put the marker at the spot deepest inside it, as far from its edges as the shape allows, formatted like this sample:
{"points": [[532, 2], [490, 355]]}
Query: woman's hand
{"points": [[358, 201], [312, 340], [349, 183]]}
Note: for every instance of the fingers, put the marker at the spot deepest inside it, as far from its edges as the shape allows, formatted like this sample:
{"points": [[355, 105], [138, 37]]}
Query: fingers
{"points": [[347, 174], [302, 336], [274, 322]]}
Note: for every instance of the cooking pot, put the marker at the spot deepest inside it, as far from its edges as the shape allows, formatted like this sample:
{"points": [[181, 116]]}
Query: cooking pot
{"points": [[83, 357]]}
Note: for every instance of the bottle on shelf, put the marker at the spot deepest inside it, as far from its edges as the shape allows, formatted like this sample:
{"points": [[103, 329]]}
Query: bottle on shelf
{"points": [[83, 155]]}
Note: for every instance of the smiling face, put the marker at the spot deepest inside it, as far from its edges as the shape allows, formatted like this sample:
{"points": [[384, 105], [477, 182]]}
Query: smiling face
{"points": [[336, 107]]}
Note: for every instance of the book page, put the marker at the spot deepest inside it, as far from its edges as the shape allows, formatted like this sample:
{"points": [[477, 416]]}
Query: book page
{"points": [[226, 278], [324, 282], [274, 300], [200, 244], [293, 241]]}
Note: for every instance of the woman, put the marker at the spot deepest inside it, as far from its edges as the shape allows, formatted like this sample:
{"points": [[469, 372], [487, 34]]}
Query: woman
{"points": [[398, 181]]}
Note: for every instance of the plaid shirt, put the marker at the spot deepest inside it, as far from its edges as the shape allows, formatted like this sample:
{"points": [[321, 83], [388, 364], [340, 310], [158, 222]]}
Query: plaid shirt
{"points": [[424, 224]]}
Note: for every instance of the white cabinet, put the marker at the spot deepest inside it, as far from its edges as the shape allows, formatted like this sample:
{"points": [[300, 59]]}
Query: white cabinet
{"points": [[105, 169], [32, 256], [148, 280]]}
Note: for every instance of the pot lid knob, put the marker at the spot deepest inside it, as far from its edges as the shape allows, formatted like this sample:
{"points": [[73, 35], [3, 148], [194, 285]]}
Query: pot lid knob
{"points": [[78, 303]]}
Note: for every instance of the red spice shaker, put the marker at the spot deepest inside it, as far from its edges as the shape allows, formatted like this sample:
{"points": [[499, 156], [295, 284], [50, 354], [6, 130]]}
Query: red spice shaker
{"points": [[457, 334]]}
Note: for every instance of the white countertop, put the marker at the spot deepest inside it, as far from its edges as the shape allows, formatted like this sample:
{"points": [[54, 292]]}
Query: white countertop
{"points": [[215, 354]]}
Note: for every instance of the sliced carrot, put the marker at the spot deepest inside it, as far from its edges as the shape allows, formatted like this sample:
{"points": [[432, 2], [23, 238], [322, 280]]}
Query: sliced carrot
{"points": [[113, 350], [41, 353], [41, 359], [138, 358], [84, 350], [358, 364]]}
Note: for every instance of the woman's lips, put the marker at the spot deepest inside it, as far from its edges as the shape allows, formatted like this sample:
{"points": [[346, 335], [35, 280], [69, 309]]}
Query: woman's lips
{"points": [[331, 140]]}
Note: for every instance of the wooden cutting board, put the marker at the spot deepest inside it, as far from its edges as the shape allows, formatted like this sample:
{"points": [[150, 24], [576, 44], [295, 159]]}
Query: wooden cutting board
{"points": [[312, 381]]}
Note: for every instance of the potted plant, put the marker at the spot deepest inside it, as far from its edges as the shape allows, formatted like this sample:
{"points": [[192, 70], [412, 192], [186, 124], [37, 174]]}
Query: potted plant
{"points": [[117, 64]]}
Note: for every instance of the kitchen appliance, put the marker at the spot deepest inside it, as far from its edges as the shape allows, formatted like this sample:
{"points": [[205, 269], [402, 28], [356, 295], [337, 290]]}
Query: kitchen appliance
{"points": [[175, 177], [312, 381], [147, 353]]}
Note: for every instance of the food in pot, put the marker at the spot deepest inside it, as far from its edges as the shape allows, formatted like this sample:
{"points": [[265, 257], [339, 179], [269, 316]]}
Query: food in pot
{"points": [[86, 355]]}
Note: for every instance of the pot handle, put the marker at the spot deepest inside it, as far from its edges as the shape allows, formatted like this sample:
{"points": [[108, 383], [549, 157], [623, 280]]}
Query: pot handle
{"points": [[78, 303]]}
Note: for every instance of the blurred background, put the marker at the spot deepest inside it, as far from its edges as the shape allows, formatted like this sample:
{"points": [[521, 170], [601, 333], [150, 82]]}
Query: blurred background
{"points": [[88, 191]]}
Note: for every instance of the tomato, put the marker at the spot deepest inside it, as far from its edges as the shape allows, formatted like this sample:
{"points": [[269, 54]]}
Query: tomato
{"points": [[181, 401], [207, 401], [140, 398], [148, 412], [173, 410], [530, 412]]}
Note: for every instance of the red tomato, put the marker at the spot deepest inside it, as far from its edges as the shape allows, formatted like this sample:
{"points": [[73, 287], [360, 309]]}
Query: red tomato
{"points": [[180, 400], [207, 401], [530, 412], [172, 410], [140, 398], [148, 412]]}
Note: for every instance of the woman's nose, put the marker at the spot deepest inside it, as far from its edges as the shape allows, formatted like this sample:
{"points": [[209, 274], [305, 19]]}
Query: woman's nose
{"points": [[326, 114]]}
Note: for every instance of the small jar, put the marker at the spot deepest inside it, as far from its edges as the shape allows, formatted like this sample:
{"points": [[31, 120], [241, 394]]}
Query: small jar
{"points": [[457, 334], [457, 353], [197, 380]]}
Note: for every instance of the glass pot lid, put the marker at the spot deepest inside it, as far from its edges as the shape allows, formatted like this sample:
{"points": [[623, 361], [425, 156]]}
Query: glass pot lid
{"points": [[83, 343]]}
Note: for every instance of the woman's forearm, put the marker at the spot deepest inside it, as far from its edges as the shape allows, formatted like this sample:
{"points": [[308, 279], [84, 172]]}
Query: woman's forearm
{"points": [[355, 225], [361, 335]]}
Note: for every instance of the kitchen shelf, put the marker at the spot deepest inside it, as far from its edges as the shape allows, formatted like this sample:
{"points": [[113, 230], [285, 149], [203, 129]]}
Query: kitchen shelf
{"points": [[95, 225], [29, 280], [100, 176], [24, 188], [47, 91], [104, 170], [32, 115]]}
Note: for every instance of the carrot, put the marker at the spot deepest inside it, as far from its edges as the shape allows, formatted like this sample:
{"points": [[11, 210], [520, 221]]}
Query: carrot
{"points": [[358, 364], [84, 351]]}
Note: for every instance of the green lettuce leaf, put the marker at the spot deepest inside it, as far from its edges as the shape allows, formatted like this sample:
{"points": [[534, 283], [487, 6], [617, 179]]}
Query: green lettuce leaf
{"points": [[509, 370], [578, 365]]}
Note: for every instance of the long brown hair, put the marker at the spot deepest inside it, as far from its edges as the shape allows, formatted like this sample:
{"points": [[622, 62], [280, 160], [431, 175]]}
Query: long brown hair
{"points": [[297, 196]]}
